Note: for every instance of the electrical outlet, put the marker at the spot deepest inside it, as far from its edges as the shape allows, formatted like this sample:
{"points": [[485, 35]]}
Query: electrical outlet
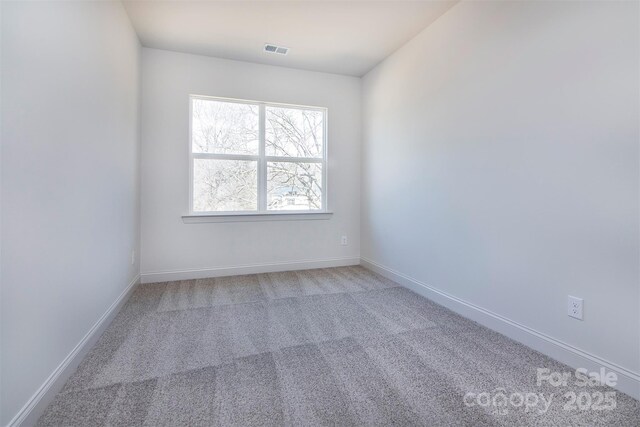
{"points": [[133, 257], [343, 241], [575, 307]]}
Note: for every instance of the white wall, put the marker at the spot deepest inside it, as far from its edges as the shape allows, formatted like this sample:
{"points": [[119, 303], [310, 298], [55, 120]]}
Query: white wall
{"points": [[168, 244], [501, 166], [1, 304], [70, 98]]}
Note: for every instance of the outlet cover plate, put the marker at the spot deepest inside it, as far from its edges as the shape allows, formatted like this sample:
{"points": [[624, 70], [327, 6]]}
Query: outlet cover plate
{"points": [[575, 307]]}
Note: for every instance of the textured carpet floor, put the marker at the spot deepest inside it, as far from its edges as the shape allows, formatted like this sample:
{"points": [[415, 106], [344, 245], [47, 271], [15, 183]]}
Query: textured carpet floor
{"points": [[338, 346]]}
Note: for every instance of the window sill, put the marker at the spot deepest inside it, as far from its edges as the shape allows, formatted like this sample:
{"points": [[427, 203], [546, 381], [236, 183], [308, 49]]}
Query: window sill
{"points": [[255, 217]]}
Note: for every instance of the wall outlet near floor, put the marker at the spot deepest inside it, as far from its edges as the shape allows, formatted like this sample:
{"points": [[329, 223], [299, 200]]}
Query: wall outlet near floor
{"points": [[133, 257], [343, 241], [575, 307]]}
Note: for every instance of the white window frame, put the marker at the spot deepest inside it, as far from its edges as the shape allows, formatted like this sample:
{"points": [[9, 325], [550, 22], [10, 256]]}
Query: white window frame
{"points": [[261, 158]]}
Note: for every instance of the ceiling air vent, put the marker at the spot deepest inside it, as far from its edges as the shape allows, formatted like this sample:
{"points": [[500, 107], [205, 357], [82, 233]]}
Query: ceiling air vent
{"points": [[271, 48]]}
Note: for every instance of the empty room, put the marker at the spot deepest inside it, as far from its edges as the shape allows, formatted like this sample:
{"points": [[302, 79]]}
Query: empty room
{"points": [[319, 213]]}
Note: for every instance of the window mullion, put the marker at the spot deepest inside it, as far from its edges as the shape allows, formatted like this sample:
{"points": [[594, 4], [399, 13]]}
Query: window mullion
{"points": [[262, 163], [294, 159], [216, 156]]}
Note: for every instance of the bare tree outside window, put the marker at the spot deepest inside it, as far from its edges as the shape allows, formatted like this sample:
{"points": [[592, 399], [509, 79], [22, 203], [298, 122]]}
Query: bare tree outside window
{"points": [[224, 127], [299, 133], [237, 166], [293, 132], [225, 185], [222, 183], [294, 186]]}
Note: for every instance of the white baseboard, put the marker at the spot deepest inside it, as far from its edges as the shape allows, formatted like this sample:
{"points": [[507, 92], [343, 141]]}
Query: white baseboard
{"points": [[35, 406], [628, 381], [203, 273]]}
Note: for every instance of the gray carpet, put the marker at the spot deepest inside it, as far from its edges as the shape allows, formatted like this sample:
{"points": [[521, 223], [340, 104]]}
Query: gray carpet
{"points": [[340, 346]]}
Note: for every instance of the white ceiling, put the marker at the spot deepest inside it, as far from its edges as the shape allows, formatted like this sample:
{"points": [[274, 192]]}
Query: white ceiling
{"points": [[344, 37]]}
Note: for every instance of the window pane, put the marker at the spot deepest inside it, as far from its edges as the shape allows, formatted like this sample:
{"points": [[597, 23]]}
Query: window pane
{"points": [[224, 127], [294, 186], [294, 132], [225, 185]]}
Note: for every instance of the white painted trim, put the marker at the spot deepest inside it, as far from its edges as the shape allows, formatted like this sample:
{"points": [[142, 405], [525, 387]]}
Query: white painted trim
{"points": [[256, 216], [203, 273], [628, 381], [262, 159], [35, 406], [253, 101]]}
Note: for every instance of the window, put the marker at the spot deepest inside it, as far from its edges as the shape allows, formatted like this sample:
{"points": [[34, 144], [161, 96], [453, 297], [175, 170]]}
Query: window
{"points": [[255, 157]]}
